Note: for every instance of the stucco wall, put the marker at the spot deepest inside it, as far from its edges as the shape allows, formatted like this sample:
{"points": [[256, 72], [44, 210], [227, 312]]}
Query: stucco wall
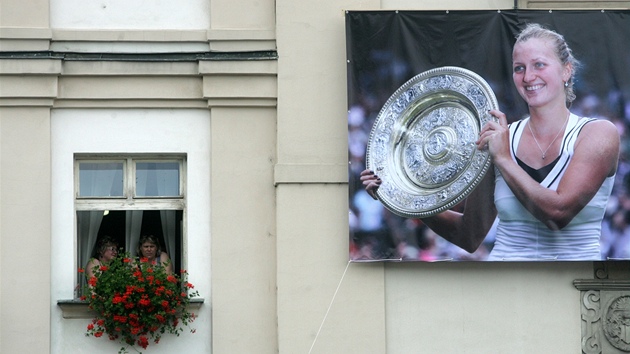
{"points": [[25, 230], [243, 231]]}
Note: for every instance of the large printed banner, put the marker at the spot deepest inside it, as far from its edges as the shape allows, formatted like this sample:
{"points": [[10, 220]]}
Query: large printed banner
{"points": [[386, 49]]}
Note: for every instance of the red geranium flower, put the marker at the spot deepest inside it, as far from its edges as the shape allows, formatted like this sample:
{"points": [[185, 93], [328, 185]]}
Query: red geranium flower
{"points": [[136, 302], [144, 301], [92, 281], [143, 342], [159, 291]]}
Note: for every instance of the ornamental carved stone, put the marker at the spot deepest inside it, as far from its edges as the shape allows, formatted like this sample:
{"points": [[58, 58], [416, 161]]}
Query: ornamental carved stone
{"points": [[617, 323], [605, 316]]}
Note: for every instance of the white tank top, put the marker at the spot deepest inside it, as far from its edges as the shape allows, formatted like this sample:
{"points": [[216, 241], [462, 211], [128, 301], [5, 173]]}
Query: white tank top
{"points": [[520, 236]]}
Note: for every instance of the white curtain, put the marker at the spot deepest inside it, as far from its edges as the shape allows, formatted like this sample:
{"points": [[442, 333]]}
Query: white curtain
{"points": [[133, 226], [88, 224], [168, 218]]}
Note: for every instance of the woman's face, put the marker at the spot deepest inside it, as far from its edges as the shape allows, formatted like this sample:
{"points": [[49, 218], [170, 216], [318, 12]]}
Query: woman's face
{"points": [[148, 250], [109, 253], [538, 74]]}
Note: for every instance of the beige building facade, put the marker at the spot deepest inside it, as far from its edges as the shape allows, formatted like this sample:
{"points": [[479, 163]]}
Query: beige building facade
{"points": [[253, 94]]}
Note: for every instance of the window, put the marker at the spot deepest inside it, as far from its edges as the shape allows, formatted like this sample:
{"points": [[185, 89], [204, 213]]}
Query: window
{"points": [[124, 197]]}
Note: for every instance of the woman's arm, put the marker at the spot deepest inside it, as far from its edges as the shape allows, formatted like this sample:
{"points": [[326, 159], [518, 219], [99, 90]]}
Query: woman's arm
{"points": [[595, 158], [91, 266], [467, 229], [166, 262]]}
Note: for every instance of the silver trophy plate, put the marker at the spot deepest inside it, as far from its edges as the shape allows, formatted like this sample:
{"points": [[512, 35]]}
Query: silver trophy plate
{"points": [[422, 143]]}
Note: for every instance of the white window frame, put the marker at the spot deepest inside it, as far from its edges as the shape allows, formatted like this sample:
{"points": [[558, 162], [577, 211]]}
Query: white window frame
{"points": [[129, 200]]}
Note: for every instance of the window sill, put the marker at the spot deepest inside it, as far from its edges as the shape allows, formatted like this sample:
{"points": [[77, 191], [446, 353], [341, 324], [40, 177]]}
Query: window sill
{"points": [[79, 309]]}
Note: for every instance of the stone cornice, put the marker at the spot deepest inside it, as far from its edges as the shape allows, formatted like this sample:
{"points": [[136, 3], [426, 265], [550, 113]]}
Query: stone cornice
{"points": [[601, 284], [143, 57]]}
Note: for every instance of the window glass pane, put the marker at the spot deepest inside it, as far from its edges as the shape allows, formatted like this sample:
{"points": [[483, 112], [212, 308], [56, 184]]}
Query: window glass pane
{"points": [[101, 179], [157, 179]]}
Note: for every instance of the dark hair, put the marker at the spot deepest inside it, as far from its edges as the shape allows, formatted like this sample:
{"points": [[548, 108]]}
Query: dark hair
{"points": [[151, 239], [102, 245], [560, 47]]}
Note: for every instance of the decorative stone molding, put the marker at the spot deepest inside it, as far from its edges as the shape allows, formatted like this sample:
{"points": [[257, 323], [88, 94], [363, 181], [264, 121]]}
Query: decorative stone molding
{"points": [[605, 312], [139, 80]]}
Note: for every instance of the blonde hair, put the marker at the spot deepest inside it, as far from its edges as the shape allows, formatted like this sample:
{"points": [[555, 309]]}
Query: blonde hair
{"points": [[561, 49]]}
